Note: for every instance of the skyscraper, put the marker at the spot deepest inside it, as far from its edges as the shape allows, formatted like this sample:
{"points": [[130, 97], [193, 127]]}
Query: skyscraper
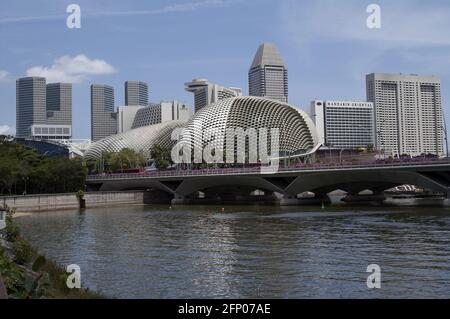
{"points": [[136, 93], [125, 117], [344, 124], [43, 111], [408, 113], [30, 104], [206, 93], [268, 75], [103, 116], [59, 103]]}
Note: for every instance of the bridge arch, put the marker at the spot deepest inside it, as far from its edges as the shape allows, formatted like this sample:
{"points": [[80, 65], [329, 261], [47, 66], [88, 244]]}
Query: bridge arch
{"points": [[190, 186], [357, 181]]}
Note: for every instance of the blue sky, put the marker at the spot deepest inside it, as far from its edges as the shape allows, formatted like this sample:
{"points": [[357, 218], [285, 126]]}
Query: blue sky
{"points": [[325, 43]]}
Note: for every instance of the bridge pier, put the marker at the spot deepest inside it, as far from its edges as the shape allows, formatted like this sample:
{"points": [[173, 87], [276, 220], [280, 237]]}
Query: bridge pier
{"points": [[446, 201], [359, 198], [226, 199], [156, 196], [294, 201], [181, 200]]}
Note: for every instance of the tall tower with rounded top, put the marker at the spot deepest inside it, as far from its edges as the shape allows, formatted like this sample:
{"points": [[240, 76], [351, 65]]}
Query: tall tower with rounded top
{"points": [[268, 74]]}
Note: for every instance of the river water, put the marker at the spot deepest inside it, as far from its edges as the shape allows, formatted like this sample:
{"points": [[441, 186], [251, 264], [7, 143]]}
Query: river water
{"points": [[250, 252]]}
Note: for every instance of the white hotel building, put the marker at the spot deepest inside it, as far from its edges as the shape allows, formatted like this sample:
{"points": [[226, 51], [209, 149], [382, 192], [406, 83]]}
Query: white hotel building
{"points": [[408, 113], [344, 124]]}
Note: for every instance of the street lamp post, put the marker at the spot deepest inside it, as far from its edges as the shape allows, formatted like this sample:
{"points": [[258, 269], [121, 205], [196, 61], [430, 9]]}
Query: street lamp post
{"points": [[340, 155], [25, 179], [381, 143], [3, 293], [331, 154], [2, 219], [444, 128], [382, 140]]}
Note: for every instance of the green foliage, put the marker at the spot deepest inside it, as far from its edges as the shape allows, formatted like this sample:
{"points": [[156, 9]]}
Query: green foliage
{"points": [[80, 194], [23, 170], [21, 283], [11, 231], [161, 156], [12, 275], [39, 263], [22, 251], [116, 161], [41, 279]]}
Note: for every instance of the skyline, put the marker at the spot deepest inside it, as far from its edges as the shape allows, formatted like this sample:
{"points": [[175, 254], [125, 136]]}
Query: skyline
{"points": [[325, 62]]}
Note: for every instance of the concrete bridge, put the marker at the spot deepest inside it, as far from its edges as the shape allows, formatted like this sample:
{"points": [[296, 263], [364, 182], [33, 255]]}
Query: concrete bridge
{"points": [[284, 185]]}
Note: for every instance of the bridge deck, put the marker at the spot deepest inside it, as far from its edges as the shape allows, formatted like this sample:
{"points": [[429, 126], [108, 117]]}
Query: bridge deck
{"points": [[281, 171]]}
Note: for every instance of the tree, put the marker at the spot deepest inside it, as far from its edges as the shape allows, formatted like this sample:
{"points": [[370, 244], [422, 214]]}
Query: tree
{"points": [[22, 168], [9, 174], [161, 156], [117, 161]]}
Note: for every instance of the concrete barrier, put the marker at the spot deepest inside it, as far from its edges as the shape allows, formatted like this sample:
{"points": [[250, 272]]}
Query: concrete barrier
{"points": [[47, 202]]}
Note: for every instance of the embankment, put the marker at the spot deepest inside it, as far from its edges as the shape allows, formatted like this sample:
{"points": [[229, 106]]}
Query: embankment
{"points": [[48, 202]]}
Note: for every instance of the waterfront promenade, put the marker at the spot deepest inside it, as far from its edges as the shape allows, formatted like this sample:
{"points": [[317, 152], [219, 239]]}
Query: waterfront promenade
{"points": [[50, 202]]}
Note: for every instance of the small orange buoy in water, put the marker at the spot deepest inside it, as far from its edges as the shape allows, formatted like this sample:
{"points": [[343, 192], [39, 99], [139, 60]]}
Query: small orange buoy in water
{"points": [[222, 210]]}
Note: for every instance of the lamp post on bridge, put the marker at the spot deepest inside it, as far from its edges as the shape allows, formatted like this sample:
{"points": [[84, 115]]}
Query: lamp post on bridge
{"points": [[444, 128], [340, 155], [3, 292], [382, 140], [329, 145], [25, 180], [382, 144], [2, 219]]}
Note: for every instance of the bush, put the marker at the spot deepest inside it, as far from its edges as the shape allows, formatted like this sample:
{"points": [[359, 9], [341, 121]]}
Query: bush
{"points": [[12, 232], [80, 194], [23, 253]]}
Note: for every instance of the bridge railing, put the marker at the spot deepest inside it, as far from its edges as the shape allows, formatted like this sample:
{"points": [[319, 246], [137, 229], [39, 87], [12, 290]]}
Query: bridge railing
{"points": [[258, 169]]}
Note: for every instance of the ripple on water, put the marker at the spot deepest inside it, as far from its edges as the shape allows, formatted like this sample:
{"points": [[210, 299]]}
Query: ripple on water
{"points": [[247, 252]]}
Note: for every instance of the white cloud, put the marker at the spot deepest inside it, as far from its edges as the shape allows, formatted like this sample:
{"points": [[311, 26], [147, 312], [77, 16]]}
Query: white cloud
{"points": [[72, 69], [6, 129], [4, 76]]}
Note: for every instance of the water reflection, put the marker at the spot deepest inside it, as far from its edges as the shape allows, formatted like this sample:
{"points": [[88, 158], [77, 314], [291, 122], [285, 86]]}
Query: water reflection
{"points": [[196, 252]]}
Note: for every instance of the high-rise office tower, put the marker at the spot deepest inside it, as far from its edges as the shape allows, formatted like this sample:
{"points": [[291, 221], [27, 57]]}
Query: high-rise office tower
{"points": [[30, 104], [43, 111], [268, 75], [344, 124], [206, 93], [408, 113], [126, 116], [59, 103], [136, 93], [103, 116]]}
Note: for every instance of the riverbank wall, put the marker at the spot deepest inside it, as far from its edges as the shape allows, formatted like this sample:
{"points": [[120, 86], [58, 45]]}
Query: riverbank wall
{"points": [[49, 202]]}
